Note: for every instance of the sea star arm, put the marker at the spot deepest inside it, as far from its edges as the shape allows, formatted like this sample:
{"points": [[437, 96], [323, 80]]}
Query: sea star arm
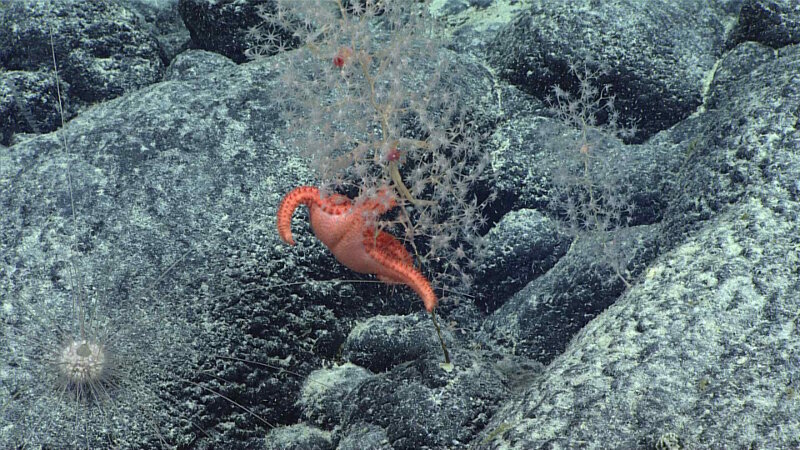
{"points": [[391, 245], [395, 265], [303, 195]]}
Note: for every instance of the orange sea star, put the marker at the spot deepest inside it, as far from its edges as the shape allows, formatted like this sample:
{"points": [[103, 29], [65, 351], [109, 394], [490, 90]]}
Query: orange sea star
{"points": [[346, 230]]}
